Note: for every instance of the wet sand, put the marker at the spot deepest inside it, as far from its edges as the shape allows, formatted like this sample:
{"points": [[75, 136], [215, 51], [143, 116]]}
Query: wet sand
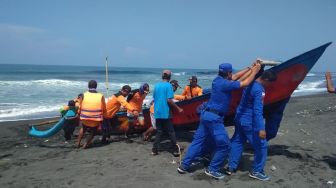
{"points": [[302, 155]]}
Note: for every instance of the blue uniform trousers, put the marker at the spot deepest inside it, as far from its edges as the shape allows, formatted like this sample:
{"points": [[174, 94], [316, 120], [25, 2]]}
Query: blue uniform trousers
{"points": [[241, 135], [210, 130]]}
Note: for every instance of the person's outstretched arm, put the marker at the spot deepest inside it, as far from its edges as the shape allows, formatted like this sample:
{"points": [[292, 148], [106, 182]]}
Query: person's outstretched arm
{"points": [[330, 86], [172, 104], [242, 73], [254, 70]]}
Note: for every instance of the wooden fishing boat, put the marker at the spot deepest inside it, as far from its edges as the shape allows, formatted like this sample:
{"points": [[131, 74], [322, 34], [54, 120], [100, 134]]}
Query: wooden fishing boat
{"points": [[290, 74]]}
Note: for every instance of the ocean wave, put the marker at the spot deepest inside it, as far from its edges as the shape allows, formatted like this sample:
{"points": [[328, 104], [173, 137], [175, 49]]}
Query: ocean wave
{"points": [[207, 72], [310, 87], [77, 72], [65, 83], [29, 110], [102, 72], [16, 111], [47, 82], [179, 73]]}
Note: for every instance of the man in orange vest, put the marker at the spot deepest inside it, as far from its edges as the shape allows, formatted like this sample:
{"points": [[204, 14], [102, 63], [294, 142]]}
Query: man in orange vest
{"points": [[112, 107], [135, 99], [175, 85], [192, 90], [92, 109]]}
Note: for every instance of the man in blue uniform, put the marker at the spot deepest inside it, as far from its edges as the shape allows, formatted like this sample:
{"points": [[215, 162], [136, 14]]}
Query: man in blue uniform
{"points": [[250, 126], [211, 128]]}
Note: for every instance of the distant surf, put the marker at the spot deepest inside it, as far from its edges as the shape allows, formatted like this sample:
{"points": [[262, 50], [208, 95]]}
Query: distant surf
{"points": [[38, 91]]}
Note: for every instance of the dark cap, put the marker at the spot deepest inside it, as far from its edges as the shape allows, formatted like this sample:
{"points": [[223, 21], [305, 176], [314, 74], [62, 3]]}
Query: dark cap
{"points": [[193, 78], [126, 88], [144, 87], [225, 67], [71, 103], [80, 95], [175, 83]]}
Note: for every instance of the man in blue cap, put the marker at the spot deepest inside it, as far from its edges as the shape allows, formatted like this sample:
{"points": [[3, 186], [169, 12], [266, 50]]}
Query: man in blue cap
{"points": [[211, 128], [250, 126]]}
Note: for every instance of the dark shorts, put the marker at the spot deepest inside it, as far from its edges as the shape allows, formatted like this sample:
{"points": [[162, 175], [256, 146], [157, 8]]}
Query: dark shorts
{"points": [[92, 130], [107, 123]]}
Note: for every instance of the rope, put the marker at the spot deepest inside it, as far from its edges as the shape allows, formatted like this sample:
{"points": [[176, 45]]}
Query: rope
{"points": [[45, 122], [180, 153]]}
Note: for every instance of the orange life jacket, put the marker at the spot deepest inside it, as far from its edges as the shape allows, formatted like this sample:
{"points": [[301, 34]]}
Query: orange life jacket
{"points": [[136, 102], [92, 107], [191, 92], [179, 97], [151, 109]]}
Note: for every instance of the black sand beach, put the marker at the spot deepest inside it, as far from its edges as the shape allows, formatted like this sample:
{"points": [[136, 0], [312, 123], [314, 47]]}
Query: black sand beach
{"points": [[302, 155]]}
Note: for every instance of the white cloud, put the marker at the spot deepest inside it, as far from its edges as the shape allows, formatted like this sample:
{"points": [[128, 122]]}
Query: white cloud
{"points": [[31, 38], [20, 32], [135, 52]]}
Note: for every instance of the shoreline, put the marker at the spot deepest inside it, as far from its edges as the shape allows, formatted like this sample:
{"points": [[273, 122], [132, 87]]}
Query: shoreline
{"points": [[36, 120], [302, 155]]}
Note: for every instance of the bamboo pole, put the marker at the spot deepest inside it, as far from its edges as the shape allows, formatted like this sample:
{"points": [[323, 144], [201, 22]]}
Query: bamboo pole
{"points": [[106, 78], [269, 62]]}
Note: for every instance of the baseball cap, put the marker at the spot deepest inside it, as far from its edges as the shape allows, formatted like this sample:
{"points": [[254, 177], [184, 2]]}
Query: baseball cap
{"points": [[126, 88], [193, 78], [71, 103], [144, 87], [166, 72], [225, 67]]}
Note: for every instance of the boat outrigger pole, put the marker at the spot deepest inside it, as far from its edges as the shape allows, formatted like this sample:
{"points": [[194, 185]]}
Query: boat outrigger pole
{"points": [[269, 62], [106, 78]]}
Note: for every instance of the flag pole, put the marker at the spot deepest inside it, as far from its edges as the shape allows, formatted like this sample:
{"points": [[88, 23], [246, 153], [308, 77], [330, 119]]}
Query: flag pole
{"points": [[106, 78]]}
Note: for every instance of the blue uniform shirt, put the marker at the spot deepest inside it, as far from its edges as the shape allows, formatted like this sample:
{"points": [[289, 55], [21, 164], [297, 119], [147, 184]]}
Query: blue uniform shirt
{"points": [[162, 92], [250, 109], [221, 94]]}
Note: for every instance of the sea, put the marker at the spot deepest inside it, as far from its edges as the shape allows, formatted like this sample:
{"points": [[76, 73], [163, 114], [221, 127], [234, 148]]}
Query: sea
{"points": [[39, 91]]}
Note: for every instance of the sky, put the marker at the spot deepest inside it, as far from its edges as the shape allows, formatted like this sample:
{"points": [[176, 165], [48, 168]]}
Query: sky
{"points": [[165, 33]]}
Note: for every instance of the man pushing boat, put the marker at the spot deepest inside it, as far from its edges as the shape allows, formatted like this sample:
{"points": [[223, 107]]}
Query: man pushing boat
{"points": [[211, 121], [92, 110]]}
